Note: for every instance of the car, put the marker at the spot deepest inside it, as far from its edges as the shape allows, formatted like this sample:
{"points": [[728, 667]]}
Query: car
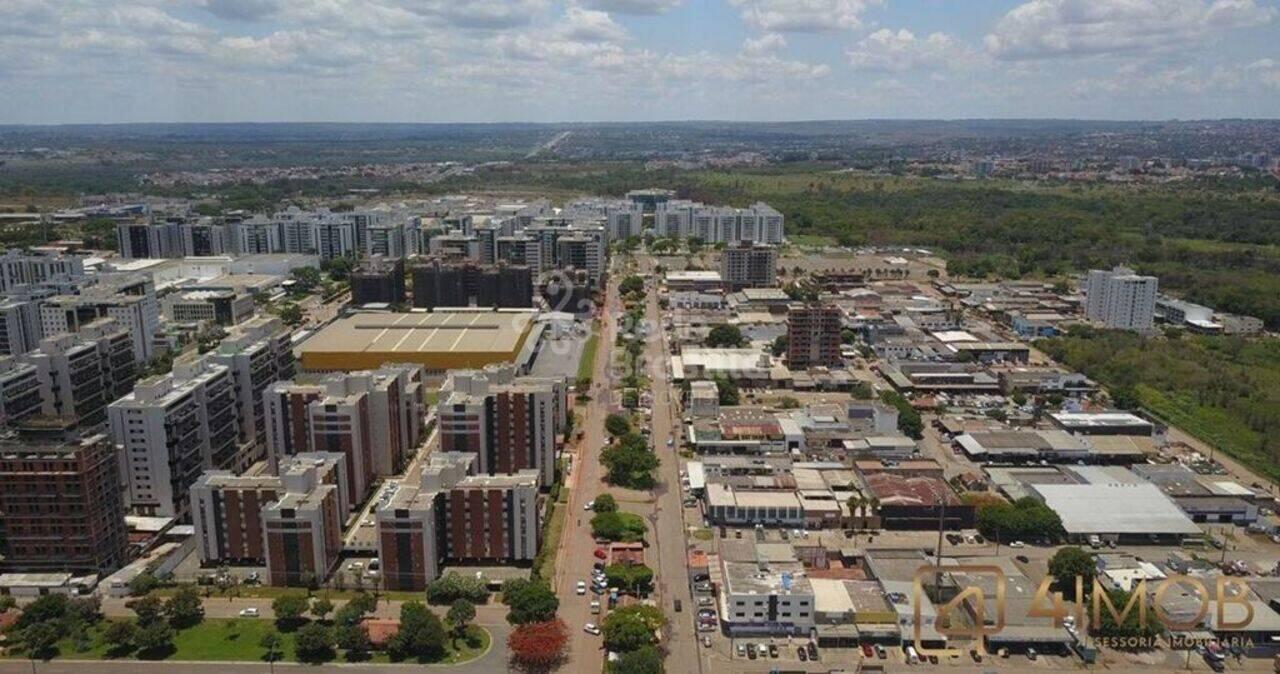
{"points": [[600, 553], [701, 577], [1031, 654], [773, 651], [595, 607], [355, 566], [374, 564], [588, 505], [702, 587], [591, 628], [670, 442], [706, 614], [1017, 544], [763, 649], [742, 650], [679, 606], [706, 641], [598, 566], [977, 538], [706, 626], [582, 587], [813, 650], [880, 652], [705, 601], [933, 659], [867, 651], [250, 612], [975, 654], [751, 652], [1023, 558]]}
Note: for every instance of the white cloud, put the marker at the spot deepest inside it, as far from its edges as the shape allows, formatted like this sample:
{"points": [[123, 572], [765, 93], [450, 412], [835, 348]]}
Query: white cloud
{"points": [[242, 10], [803, 16], [590, 25], [764, 44], [1049, 28], [887, 50], [634, 6]]}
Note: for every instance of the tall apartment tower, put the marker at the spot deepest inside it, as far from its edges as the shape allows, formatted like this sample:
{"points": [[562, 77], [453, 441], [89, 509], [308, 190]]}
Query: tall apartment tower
{"points": [[257, 353], [748, 265], [169, 430], [1121, 299], [60, 508], [80, 374], [813, 336]]}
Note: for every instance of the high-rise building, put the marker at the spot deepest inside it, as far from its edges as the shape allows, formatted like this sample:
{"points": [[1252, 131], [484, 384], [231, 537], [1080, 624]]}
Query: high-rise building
{"points": [[505, 286], [373, 418], [19, 268], [130, 299], [748, 265], [582, 250], [303, 532], [378, 280], [1121, 299], [19, 390], [149, 239], [813, 336], [440, 284], [257, 236], [204, 237], [384, 239], [453, 515], [257, 353], [216, 307], [512, 423], [19, 326], [170, 429], [80, 374], [759, 223], [332, 238], [60, 508]]}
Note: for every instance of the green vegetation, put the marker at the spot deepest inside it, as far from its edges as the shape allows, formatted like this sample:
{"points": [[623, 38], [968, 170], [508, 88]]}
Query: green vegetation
{"points": [[586, 364], [632, 627], [1223, 390], [617, 424], [725, 337], [530, 601], [1132, 626], [909, 421], [728, 391], [1070, 563], [605, 503], [634, 578], [630, 462], [618, 526], [1025, 518], [454, 586]]}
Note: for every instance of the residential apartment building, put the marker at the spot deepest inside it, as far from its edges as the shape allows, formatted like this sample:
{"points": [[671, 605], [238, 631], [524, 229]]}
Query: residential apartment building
{"points": [[303, 531], [130, 299], [378, 280], [582, 249], [749, 265], [813, 336], [170, 429], [682, 219], [334, 238], [19, 390], [257, 353], [19, 326], [1121, 299], [511, 423], [19, 268], [438, 283], [80, 374], [60, 508], [149, 239], [205, 237], [227, 509], [453, 515], [384, 239]]}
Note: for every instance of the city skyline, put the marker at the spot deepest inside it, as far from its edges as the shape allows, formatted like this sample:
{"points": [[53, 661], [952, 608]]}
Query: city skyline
{"points": [[636, 60]]}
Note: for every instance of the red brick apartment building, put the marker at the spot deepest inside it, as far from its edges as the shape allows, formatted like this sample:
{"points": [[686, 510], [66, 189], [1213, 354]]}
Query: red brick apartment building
{"points": [[813, 336], [61, 507]]}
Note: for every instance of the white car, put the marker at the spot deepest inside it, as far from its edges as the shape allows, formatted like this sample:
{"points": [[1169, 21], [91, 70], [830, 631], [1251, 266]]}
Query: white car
{"points": [[582, 587], [588, 505], [590, 628], [249, 612], [1017, 544]]}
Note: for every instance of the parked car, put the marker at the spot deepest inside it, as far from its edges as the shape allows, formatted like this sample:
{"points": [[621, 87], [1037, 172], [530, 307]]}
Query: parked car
{"points": [[801, 654], [975, 654], [1017, 544], [813, 650], [1031, 654], [591, 628], [773, 650], [751, 651], [588, 505], [582, 587], [867, 651], [706, 641], [701, 577], [601, 554], [679, 605], [249, 612], [880, 652]]}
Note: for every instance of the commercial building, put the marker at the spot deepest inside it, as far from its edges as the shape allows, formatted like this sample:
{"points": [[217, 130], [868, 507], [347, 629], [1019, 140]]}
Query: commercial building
{"points": [[149, 239], [130, 299], [766, 597], [813, 336], [704, 399], [693, 281], [1121, 299], [582, 250], [454, 516], [169, 430], [218, 307], [60, 508], [438, 341], [1126, 512], [749, 265], [511, 423], [906, 502], [378, 280]]}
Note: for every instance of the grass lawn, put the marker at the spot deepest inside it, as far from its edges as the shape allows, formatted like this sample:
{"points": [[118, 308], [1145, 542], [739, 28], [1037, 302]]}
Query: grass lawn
{"points": [[546, 563], [271, 592], [237, 639], [586, 364], [815, 240]]}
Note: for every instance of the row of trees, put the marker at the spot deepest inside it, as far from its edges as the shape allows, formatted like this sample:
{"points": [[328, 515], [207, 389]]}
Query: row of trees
{"points": [[630, 462]]}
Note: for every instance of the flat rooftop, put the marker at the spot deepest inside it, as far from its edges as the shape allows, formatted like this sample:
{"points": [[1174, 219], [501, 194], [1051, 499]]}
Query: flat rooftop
{"points": [[1115, 508], [439, 340]]}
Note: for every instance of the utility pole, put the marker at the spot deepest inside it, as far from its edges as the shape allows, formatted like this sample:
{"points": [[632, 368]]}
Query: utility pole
{"points": [[937, 557]]}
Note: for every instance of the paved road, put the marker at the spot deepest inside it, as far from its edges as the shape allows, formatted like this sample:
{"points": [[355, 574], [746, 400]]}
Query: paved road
{"points": [[668, 533], [575, 558]]}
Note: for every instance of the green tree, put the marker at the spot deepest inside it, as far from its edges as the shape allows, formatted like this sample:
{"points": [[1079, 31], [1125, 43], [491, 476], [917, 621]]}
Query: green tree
{"points": [[120, 636], [291, 314], [618, 526], [725, 336], [1132, 627], [1070, 563], [306, 279], [49, 608], [634, 578], [354, 640], [631, 627], [272, 644], [421, 634], [149, 609], [143, 583], [40, 639], [184, 608], [779, 346], [630, 462], [617, 425], [909, 421], [460, 615], [289, 608], [728, 390], [454, 586], [643, 660], [605, 503], [530, 601], [321, 607], [313, 644], [154, 639]]}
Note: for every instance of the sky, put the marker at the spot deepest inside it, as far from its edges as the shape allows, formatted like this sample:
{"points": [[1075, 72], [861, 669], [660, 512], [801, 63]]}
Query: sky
{"points": [[99, 61]]}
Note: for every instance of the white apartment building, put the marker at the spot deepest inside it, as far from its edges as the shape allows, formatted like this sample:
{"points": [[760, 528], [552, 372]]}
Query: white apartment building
{"points": [[1121, 299], [131, 301], [19, 390], [258, 353], [257, 236], [204, 238], [24, 268], [385, 239], [19, 326], [169, 430], [333, 237], [746, 265], [80, 374], [149, 239], [759, 223]]}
